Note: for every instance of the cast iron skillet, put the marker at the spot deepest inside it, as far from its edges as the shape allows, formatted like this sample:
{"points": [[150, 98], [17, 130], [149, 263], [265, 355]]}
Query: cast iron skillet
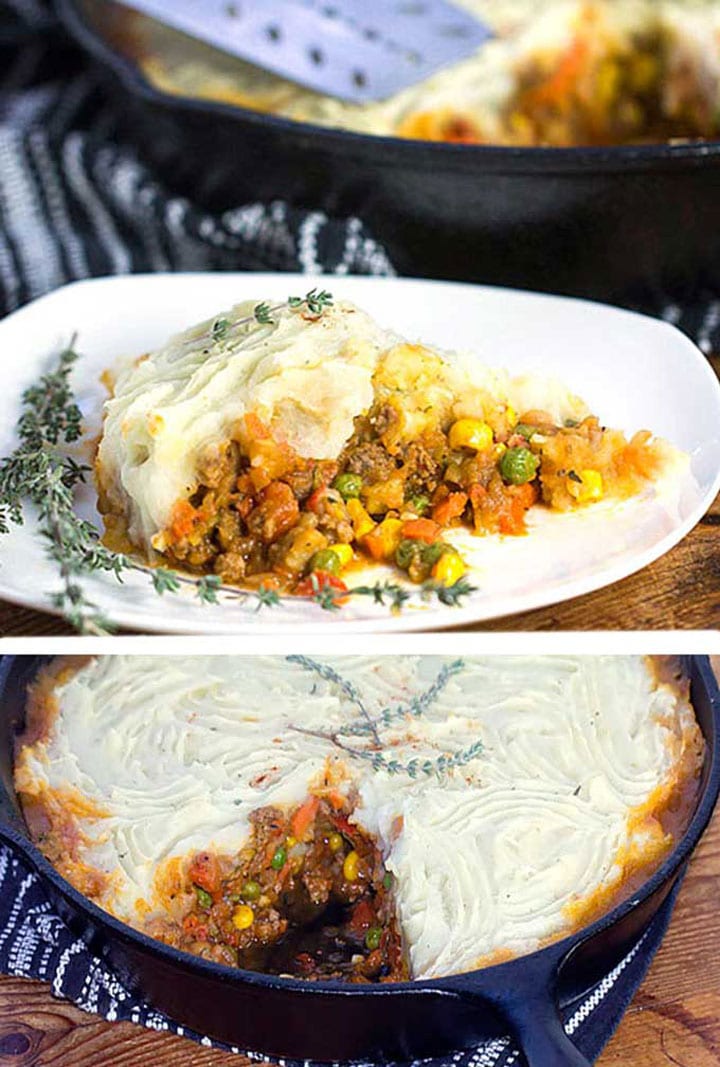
{"points": [[629, 224], [331, 1021]]}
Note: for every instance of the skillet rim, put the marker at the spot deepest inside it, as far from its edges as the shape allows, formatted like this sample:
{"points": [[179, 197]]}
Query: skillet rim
{"points": [[404, 151], [699, 671]]}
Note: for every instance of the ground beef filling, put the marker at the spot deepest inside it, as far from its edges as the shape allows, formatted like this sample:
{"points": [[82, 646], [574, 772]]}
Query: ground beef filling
{"points": [[264, 515], [308, 897]]}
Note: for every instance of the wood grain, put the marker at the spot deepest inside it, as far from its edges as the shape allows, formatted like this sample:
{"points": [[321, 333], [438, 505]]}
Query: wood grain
{"points": [[680, 591], [673, 1020]]}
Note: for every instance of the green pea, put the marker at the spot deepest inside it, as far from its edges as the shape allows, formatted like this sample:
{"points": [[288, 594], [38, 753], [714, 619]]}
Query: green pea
{"points": [[518, 466], [387, 880], [325, 560], [279, 858], [525, 430], [406, 552], [251, 890], [373, 937], [432, 553], [203, 897], [348, 485], [419, 503]]}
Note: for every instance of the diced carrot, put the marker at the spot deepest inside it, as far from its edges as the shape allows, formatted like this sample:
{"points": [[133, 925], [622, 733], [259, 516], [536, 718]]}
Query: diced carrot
{"points": [[183, 518], [205, 872], [383, 539], [336, 800], [560, 84], [450, 508], [421, 530], [511, 520], [303, 817], [192, 924], [344, 826], [315, 499], [324, 580], [254, 428], [363, 916]]}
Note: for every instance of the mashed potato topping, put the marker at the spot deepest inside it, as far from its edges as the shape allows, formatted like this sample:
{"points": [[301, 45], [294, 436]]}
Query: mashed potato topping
{"points": [[514, 799]]}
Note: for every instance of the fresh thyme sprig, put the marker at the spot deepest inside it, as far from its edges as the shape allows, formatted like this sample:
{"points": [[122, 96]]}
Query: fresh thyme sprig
{"points": [[350, 691], [370, 726], [314, 301], [415, 708], [39, 472]]}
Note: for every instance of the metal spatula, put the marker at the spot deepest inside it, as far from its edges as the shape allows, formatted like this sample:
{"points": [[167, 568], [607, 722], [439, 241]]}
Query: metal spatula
{"points": [[357, 50]]}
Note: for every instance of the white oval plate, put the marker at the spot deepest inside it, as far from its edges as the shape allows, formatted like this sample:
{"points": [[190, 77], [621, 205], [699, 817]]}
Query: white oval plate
{"points": [[634, 372]]}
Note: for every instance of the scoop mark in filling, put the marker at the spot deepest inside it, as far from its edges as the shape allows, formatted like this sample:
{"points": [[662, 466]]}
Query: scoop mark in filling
{"points": [[308, 896]]}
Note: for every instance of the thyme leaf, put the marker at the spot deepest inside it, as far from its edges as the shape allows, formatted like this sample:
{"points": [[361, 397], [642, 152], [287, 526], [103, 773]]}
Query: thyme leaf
{"points": [[219, 328], [263, 315]]}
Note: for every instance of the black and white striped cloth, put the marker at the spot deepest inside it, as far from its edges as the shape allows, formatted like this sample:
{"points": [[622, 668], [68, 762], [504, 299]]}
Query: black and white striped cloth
{"points": [[35, 943], [74, 202]]}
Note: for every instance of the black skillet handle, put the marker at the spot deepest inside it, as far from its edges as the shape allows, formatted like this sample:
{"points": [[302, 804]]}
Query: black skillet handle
{"points": [[540, 1033], [527, 1000]]}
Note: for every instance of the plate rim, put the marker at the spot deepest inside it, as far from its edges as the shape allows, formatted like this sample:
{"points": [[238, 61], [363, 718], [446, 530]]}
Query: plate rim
{"points": [[409, 621]]}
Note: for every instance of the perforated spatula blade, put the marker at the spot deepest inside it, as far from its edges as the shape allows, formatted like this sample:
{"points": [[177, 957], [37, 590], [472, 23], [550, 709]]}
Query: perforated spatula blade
{"points": [[356, 50]]}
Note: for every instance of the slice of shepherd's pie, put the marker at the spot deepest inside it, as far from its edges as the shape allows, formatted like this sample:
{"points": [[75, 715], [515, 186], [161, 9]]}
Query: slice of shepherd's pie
{"points": [[281, 445]]}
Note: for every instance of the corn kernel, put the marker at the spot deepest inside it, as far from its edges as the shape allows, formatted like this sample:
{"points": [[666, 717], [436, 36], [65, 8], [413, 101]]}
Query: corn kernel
{"points": [[448, 568], [471, 433], [243, 917], [390, 533], [335, 841], [351, 867], [290, 841], [499, 449], [590, 486], [362, 523], [343, 552], [511, 415]]}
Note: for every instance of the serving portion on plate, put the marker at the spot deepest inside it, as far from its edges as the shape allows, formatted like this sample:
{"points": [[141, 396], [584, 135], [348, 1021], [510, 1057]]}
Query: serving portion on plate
{"points": [[358, 818], [566, 72], [287, 446], [298, 455]]}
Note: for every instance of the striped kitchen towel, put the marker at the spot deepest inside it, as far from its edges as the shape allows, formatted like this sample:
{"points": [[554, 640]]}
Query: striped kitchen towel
{"points": [[77, 201], [36, 943]]}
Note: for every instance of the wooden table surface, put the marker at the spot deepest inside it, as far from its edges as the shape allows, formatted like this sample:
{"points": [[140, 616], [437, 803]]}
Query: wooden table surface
{"points": [[680, 591], [674, 1018]]}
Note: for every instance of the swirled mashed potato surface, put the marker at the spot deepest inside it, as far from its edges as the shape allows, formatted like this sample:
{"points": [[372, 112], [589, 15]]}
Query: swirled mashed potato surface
{"points": [[135, 763], [306, 378]]}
